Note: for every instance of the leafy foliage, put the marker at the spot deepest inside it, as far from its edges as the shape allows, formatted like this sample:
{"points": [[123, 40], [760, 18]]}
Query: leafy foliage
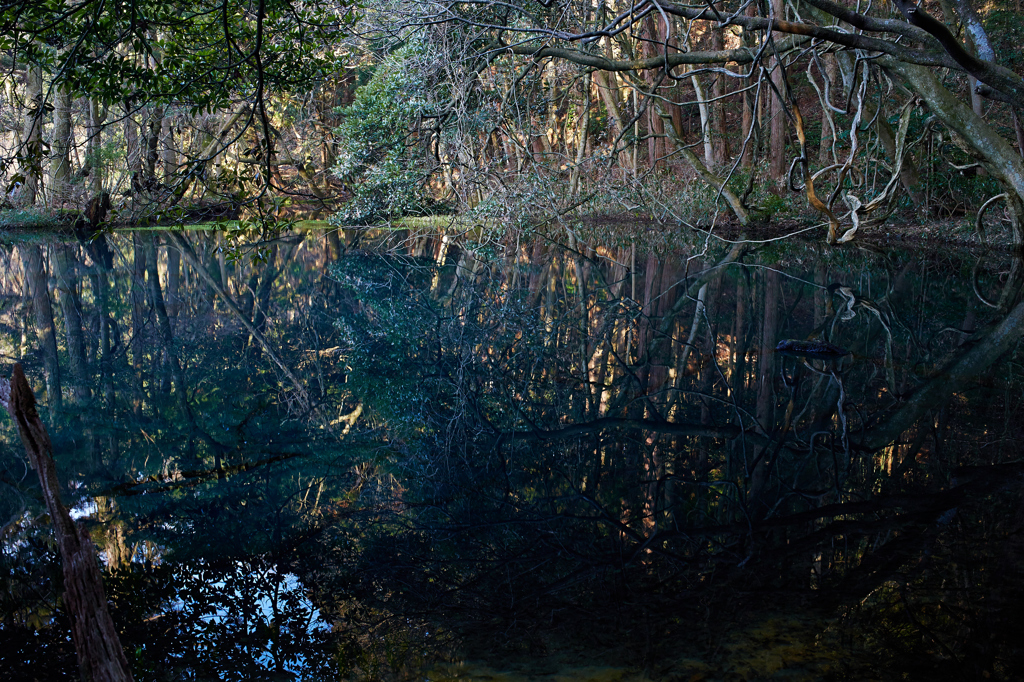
{"points": [[383, 143]]}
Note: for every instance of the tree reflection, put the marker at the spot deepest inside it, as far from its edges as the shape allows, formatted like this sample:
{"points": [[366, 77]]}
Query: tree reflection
{"points": [[548, 443], [559, 442]]}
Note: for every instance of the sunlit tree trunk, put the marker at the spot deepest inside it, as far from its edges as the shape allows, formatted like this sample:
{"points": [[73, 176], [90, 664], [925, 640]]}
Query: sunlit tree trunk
{"points": [[608, 89], [581, 138], [549, 140], [705, 122], [60, 159], [94, 131], [653, 46], [31, 152]]}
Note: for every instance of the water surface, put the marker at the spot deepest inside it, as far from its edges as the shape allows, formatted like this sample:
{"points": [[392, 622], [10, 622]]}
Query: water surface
{"points": [[416, 455]]}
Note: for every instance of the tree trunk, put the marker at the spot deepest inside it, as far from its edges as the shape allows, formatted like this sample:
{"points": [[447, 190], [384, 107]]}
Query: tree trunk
{"points": [[31, 137], [60, 159], [705, 123], [133, 153], [1000, 159], [100, 656], [168, 156], [718, 123], [749, 114], [604, 80], [777, 152], [94, 131], [155, 126], [581, 138], [831, 75], [909, 177]]}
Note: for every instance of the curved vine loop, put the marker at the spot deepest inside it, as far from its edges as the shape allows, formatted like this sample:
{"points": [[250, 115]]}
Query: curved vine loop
{"points": [[979, 226]]}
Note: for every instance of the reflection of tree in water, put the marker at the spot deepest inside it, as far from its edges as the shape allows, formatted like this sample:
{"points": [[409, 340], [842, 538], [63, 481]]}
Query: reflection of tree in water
{"points": [[601, 447], [579, 434], [223, 620], [183, 439]]}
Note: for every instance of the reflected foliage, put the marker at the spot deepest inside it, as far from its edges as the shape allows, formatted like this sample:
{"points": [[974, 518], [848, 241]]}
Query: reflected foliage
{"points": [[518, 449]]}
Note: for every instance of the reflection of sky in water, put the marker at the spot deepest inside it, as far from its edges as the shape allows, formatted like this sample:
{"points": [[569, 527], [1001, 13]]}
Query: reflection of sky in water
{"points": [[257, 583], [83, 509]]}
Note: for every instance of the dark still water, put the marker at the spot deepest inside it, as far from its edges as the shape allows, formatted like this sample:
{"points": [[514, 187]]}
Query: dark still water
{"points": [[430, 458]]}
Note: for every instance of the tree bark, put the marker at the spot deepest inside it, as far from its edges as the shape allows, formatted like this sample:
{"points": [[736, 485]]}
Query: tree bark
{"points": [[60, 159], [609, 95], [581, 138], [97, 115], [718, 123], [100, 656], [1000, 159], [777, 151], [749, 115], [155, 125], [31, 136], [705, 122]]}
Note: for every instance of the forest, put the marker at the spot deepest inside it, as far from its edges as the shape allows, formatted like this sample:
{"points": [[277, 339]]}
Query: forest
{"points": [[514, 114], [533, 340]]}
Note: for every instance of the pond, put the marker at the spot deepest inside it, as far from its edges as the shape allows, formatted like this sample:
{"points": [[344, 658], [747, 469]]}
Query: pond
{"points": [[409, 455]]}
